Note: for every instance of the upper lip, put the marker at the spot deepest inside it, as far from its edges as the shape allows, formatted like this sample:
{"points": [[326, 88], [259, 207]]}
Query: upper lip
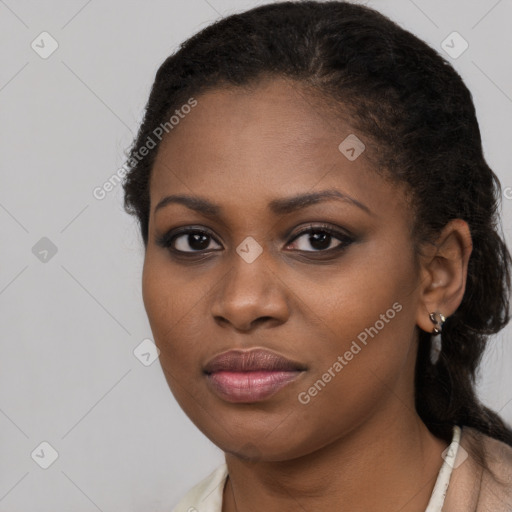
{"points": [[251, 360]]}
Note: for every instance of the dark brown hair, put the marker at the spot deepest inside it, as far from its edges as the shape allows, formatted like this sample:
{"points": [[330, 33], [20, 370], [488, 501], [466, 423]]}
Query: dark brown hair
{"points": [[419, 116]]}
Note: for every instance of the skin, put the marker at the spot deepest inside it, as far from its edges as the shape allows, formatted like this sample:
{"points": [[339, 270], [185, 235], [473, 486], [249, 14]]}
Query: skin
{"points": [[359, 441]]}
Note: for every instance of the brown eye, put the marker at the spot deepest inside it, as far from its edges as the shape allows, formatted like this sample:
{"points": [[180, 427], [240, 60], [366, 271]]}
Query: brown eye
{"points": [[195, 241], [321, 239], [187, 241]]}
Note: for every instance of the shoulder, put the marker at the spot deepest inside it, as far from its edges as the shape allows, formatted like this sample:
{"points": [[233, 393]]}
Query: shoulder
{"points": [[482, 474], [206, 496], [496, 489]]}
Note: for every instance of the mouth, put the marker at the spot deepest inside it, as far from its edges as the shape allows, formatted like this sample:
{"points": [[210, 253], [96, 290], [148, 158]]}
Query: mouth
{"points": [[250, 376]]}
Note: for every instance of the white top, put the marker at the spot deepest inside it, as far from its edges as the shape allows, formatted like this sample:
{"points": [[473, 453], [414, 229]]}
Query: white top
{"points": [[206, 496]]}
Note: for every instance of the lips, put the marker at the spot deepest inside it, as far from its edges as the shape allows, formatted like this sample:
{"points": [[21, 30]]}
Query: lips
{"points": [[250, 376], [250, 361]]}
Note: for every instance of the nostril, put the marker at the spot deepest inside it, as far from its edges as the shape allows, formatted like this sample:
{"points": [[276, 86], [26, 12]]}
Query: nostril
{"points": [[221, 319]]}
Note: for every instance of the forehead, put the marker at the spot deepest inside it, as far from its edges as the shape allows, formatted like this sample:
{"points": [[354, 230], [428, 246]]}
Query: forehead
{"points": [[278, 114], [252, 145]]}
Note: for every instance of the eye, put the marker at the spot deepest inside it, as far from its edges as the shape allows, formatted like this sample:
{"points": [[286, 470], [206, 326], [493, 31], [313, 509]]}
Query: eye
{"points": [[182, 241], [198, 241], [321, 238]]}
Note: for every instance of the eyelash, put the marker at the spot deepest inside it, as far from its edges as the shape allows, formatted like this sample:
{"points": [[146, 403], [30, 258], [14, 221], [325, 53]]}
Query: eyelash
{"points": [[167, 239]]}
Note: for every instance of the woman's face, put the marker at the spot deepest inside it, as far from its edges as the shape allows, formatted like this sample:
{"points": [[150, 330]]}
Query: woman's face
{"points": [[341, 305]]}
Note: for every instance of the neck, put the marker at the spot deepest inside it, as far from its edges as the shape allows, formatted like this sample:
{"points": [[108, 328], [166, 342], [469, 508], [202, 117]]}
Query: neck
{"points": [[385, 466]]}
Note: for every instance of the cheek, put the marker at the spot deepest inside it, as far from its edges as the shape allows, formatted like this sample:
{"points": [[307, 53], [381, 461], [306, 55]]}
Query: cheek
{"points": [[361, 362], [166, 302], [157, 296], [176, 308], [368, 314], [171, 306], [167, 296]]}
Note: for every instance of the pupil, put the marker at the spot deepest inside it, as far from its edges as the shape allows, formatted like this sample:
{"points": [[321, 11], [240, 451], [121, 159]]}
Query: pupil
{"points": [[318, 240], [194, 240]]}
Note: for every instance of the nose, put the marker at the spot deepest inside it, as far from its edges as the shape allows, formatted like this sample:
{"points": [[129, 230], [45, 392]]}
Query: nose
{"points": [[250, 294]]}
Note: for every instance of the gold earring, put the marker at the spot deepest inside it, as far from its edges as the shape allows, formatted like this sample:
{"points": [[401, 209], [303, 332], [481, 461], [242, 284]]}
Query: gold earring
{"points": [[438, 320]]}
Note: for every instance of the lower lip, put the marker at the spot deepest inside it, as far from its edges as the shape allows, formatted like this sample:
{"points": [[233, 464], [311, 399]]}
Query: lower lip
{"points": [[249, 386]]}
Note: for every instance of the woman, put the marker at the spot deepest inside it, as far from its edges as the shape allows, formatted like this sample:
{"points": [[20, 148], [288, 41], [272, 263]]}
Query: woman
{"points": [[323, 265]]}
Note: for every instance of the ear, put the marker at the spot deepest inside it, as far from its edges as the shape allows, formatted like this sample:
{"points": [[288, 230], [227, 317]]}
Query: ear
{"points": [[444, 267]]}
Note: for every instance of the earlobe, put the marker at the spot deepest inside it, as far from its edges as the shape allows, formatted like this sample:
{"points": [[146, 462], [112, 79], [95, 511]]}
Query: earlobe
{"points": [[445, 272]]}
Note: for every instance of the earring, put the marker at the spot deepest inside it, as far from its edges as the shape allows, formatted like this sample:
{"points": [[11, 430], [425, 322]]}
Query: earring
{"points": [[438, 320], [436, 342]]}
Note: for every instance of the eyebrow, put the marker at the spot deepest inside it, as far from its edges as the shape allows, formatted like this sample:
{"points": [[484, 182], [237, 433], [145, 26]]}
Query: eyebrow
{"points": [[277, 206]]}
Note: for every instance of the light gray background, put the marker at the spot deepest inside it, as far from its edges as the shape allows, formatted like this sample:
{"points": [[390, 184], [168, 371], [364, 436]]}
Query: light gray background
{"points": [[69, 325]]}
